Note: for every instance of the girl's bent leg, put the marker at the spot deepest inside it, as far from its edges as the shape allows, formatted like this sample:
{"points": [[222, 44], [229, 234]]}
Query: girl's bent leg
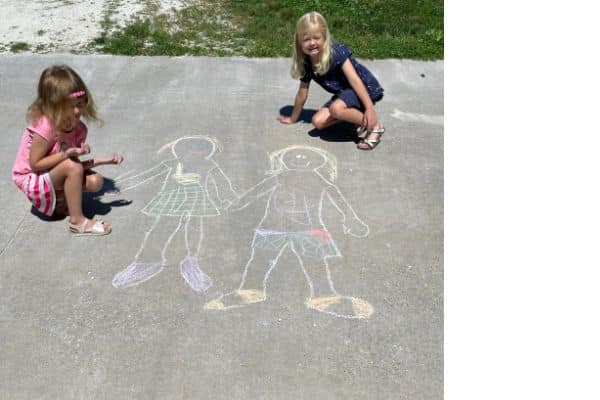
{"points": [[60, 209], [323, 119], [340, 111], [92, 181], [68, 176]]}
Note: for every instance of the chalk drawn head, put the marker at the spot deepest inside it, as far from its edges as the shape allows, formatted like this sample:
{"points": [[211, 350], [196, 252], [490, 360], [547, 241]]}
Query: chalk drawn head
{"points": [[303, 158], [192, 147]]}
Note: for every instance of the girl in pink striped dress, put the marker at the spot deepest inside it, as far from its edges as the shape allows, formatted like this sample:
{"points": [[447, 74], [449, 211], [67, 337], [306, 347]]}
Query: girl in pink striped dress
{"points": [[47, 167]]}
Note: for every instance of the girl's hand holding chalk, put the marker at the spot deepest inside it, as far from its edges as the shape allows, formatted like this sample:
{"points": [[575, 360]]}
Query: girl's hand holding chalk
{"points": [[85, 148]]}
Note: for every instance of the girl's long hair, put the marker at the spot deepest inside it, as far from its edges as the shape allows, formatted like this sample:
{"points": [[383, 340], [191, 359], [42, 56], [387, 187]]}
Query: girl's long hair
{"points": [[308, 22], [55, 85]]}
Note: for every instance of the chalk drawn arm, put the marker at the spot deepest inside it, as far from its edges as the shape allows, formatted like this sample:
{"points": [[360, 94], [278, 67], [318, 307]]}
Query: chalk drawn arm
{"points": [[352, 225], [129, 181], [220, 189], [256, 192]]}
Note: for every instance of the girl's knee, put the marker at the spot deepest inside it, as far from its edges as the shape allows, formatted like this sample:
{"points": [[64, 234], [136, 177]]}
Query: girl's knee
{"points": [[316, 122], [72, 167], [336, 109], [93, 182], [319, 121]]}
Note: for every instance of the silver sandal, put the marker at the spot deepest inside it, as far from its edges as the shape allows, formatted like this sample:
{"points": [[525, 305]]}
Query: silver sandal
{"points": [[360, 131], [372, 143]]}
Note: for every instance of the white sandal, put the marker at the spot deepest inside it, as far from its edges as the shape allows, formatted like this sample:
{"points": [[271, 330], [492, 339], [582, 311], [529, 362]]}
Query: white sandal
{"points": [[96, 230]]}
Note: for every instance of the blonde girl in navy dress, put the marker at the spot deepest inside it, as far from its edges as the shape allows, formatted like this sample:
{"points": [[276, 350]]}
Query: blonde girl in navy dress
{"points": [[355, 90]]}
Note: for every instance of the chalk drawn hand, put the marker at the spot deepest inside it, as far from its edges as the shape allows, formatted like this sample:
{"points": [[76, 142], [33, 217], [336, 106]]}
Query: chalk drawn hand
{"points": [[266, 186], [226, 204], [234, 205], [355, 227], [133, 179]]}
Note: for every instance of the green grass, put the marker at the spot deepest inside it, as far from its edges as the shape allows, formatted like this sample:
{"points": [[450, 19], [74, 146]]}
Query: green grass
{"points": [[264, 28], [373, 29], [18, 47]]}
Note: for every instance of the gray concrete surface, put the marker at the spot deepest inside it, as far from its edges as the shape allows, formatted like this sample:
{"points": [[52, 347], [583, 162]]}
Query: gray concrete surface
{"points": [[67, 333]]}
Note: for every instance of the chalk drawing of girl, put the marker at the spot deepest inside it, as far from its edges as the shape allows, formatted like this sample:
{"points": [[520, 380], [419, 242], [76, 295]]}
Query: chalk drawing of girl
{"points": [[194, 187], [297, 192]]}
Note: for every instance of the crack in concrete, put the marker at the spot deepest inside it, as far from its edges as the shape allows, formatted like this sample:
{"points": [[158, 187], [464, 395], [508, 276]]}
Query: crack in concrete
{"points": [[13, 236]]}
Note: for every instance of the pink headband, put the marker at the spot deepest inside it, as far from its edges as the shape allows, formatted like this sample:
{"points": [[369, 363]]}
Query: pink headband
{"points": [[75, 95]]}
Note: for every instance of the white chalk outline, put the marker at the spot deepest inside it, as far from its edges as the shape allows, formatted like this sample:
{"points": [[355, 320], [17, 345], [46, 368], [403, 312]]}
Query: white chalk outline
{"points": [[163, 206], [328, 297], [415, 117]]}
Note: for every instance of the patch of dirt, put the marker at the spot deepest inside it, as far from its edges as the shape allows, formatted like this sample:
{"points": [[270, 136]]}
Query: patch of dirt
{"points": [[70, 25]]}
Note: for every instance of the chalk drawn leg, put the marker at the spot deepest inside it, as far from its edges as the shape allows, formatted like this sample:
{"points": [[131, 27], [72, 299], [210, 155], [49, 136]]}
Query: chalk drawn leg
{"points": [[254, 281], [148, 261], [190, 265], [193, 275], [323, 296], [136, 273]]}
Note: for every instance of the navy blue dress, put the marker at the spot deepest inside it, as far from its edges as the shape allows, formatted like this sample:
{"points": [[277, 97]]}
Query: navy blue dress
{"points": [[334, 80]]}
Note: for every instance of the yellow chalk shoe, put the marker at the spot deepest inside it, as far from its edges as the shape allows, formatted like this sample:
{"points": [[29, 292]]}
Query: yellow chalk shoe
{"points": [[237, 298], [341, 306]]}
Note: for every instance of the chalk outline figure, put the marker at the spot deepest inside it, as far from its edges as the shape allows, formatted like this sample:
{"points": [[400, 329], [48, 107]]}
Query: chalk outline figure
{"points": [[293, 219], [189, 194]]}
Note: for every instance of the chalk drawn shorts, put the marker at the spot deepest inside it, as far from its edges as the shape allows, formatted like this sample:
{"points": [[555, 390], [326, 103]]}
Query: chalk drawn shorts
{"points": [[39, 190], [315, 244]]}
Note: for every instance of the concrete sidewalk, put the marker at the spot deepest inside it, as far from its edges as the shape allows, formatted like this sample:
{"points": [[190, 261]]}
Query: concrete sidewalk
{"points": [[67, 332]]}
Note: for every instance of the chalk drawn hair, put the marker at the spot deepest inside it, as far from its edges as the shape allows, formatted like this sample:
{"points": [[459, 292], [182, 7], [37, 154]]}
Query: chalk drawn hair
{"points": [[310, 22], [329, 166], [54, 87], [214, 144]]}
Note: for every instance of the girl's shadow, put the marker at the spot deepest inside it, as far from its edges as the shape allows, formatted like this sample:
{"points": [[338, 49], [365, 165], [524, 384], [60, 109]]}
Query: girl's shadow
{"points": [[92, 204], [340, 132]]}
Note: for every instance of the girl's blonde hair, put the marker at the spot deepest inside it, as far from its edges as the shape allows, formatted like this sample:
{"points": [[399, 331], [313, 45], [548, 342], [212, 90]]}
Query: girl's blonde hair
{"points": [[309, 22], [55, 85]]}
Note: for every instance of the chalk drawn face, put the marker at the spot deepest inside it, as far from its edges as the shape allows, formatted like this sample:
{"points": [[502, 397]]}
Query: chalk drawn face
{"points": [[193, 148], [302, 159]]}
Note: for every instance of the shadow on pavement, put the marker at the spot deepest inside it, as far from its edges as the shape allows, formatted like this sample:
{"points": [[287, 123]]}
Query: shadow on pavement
{"points": [[341, 132], [305, 115], [92, 203]]}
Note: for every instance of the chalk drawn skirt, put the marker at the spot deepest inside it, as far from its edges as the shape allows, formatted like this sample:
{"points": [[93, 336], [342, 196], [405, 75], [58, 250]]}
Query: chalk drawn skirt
{"points": [[316, 244], [182, 194]]}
